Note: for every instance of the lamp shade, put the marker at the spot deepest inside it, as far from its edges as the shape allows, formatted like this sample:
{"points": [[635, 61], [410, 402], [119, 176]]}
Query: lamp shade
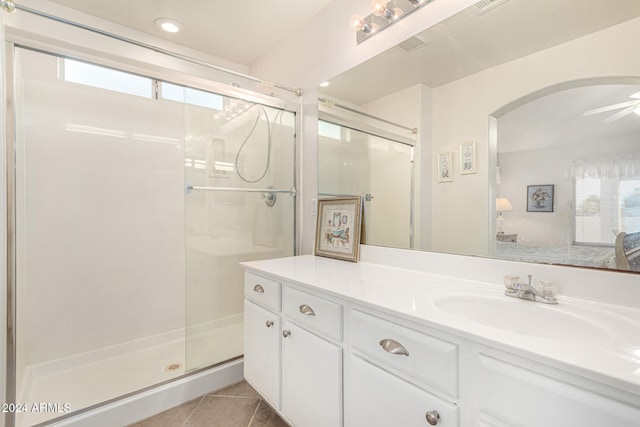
{"points": [[503, 204]]}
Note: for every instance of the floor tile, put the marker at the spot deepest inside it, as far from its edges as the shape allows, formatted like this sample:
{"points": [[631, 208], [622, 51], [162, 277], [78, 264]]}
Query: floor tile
{"points": [[267, 417], [238, 405], [223, 411], [242, 389], [174, 417]]}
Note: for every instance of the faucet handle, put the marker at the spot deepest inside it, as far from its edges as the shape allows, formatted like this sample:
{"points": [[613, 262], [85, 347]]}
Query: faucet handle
{"points": [[547, 288], [511, 282]]}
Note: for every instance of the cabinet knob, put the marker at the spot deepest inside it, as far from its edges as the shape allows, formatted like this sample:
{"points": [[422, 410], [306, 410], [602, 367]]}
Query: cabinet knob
{"points": [[286, 333], [306, 310], [433, 417], [393, 347], [269, 323], [259, 289]]}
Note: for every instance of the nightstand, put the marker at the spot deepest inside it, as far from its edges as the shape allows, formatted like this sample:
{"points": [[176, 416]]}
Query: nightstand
{"points": [[511, 238]]}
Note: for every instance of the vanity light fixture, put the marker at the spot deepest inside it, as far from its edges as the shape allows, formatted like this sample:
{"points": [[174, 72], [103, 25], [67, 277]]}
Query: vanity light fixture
{"points": [[384, 13], [168, 25], [324, 84]]}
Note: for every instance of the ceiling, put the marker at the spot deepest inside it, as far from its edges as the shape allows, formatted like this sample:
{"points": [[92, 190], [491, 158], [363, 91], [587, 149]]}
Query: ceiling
{"points": [[237, 31], [469, 42], [557, 120]]}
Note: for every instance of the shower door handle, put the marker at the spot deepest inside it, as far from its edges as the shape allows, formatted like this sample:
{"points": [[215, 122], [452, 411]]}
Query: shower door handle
{"points": [[259, 289]]}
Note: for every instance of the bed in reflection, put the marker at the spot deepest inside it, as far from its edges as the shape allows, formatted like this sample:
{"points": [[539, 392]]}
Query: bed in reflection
{"points": [[580, 255]]}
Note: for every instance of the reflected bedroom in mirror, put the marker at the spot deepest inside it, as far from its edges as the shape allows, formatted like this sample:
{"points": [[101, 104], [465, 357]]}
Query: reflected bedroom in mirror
{"points": [[510, 131]]}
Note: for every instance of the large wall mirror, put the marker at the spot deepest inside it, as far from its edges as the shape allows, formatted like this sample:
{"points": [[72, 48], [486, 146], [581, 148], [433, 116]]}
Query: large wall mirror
{"points": [[528, 134]]}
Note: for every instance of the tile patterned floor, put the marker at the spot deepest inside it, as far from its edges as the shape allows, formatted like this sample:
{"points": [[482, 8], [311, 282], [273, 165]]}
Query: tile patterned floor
{"points": [[236, 406]]}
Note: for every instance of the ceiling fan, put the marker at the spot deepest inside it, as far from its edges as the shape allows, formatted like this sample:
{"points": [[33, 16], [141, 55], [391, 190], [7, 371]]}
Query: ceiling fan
{"points": [[625, 108]]}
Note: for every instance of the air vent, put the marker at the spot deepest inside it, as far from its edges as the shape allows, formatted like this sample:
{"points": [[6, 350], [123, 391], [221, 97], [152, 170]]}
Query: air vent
{"points": [[484, 5], [411, 43]]}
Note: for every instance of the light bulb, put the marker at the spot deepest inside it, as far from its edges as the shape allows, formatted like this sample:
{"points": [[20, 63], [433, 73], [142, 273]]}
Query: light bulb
{"points": [[380, 8], [356, 23]]}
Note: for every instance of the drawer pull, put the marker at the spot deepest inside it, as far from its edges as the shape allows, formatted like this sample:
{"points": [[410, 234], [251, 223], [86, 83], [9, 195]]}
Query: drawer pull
{"points": [[306, 310], [286, 333], [269, 323], [259, 289], [433, 417], [393, 347]]}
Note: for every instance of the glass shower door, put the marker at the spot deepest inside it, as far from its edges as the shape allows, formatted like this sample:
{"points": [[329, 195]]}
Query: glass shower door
{"points": [[234, 149]]}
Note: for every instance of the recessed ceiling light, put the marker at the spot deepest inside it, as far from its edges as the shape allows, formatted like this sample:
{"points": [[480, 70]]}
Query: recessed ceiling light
{"points": [[324, 84], [168, 25]]}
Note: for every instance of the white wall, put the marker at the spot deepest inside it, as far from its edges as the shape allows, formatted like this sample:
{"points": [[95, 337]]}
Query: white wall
{"points": [[462, 108]]}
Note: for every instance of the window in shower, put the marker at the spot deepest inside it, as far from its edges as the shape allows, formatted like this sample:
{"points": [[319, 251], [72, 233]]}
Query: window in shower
{"points": [[106, 78], [124, 280], [356, 163]]}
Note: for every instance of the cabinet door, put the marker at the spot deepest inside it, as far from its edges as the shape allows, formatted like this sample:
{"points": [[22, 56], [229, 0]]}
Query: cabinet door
{"points": [[377, 398], [262, 351], [311, 379], [511, 395]]}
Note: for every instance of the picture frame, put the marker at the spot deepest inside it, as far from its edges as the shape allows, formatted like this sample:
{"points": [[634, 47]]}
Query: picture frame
{"points": [[445, 167], [540, 198], [467, 158], [338, 228]]}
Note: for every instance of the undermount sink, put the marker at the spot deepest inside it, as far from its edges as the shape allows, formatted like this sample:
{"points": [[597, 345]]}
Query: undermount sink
{"points": [[564, 321]]}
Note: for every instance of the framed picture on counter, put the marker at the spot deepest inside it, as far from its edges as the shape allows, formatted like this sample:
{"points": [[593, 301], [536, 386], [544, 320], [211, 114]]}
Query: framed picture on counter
{"points": [[338, 228]]}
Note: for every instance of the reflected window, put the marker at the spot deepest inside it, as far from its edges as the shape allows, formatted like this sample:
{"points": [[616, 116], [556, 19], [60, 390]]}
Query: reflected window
{"points": [[107, 78], [329, 130], [604, 207]]}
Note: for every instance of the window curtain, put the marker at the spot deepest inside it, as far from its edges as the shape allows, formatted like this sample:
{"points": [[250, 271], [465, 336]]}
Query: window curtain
{"points": [[626, 167]]}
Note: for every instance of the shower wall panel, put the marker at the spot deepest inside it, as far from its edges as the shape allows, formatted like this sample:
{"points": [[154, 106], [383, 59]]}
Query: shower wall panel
{"points": [[100, 211]]}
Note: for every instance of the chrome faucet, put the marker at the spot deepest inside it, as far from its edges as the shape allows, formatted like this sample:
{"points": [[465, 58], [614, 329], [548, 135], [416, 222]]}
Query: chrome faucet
{"points": [[545, 293]]}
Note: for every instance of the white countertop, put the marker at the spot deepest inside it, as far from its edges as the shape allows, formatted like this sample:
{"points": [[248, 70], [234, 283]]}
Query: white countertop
{"points": [[613, 358]]}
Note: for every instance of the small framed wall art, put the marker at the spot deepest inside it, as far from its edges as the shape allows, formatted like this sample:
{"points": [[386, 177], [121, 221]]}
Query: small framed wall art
{"points": [[338, 228], [539, 198], [445, 167], [467, 158]]}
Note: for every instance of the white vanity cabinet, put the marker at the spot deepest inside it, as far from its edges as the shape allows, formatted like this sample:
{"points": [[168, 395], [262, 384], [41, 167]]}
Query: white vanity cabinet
{"points": [[399, 376], [341, 351], [262, 336], [293, 351], [311, 360]]}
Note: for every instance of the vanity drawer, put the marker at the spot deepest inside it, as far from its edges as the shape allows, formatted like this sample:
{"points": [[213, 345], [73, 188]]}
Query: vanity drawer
{"points": [[378, 398], [262, 291], [314, 313], [430, 360]]}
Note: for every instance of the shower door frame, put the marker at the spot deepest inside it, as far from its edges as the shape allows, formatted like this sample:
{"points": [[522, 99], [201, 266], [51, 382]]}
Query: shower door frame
{"points": [[153, 71]]}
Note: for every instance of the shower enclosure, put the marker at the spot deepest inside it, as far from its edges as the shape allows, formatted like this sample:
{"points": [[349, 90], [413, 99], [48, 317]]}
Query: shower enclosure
{"points": [[135, 200]]}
